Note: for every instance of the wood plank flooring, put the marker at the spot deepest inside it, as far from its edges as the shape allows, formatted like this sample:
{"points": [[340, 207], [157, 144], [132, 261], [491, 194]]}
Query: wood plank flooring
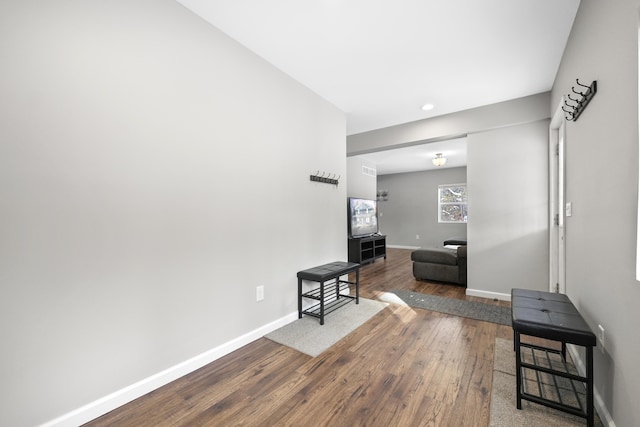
{"points": [[404, 367]]}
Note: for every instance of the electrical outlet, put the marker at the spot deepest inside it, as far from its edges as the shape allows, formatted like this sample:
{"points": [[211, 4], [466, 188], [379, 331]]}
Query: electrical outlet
{"points": [[259, 293], [601, 337], [417, 237]]}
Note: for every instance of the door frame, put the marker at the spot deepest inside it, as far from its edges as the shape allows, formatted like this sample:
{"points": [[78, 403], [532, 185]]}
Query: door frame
{"points": [[557, 247]]}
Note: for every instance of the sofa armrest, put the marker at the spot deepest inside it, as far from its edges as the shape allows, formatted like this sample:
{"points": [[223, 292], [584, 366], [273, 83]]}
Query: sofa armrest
{"points": [[462, 265], [462, 251]]}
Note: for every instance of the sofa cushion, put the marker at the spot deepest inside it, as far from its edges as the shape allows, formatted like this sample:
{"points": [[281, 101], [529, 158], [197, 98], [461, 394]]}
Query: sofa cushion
{"points": [[455, 241], [436, 256]]}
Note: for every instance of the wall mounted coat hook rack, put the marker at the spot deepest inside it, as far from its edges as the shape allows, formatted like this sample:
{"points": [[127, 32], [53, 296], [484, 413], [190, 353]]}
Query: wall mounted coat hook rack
{"points": [[328, 179], [585, 95]]}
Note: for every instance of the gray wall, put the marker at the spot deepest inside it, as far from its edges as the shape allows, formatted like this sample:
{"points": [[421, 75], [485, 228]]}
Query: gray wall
{"points": [[412, 207], [153, 172], [601, 233], [495, 132], [508, 225], [359, 184]]}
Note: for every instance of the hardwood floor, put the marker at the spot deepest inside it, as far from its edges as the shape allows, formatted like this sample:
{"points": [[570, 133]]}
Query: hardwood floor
{"points": [[404, 367]]}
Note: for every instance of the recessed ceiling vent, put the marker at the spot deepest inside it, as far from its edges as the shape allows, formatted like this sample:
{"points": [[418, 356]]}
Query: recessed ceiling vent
{"points": [[366, 170]]}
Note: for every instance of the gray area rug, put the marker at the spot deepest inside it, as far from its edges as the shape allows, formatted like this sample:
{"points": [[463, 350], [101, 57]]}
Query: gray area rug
{"points": [[503, 393], [308, 336], [457, 307]]}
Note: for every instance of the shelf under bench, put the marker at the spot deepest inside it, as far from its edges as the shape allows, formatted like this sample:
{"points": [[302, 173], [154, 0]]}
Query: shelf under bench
{"points": [[333, 299]]}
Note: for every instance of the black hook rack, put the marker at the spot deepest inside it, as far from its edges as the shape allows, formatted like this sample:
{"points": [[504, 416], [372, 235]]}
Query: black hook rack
{"points": [[328, 179], [576, 107]]}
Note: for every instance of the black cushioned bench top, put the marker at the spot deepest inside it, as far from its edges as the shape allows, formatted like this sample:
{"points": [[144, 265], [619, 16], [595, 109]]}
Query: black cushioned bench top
{"points": [[549, 315], [329, 271]]}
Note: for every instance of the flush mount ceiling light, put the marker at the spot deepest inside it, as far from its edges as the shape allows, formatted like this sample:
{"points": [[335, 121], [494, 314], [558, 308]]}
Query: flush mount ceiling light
{"points": [[439, 160], [427, 107]]}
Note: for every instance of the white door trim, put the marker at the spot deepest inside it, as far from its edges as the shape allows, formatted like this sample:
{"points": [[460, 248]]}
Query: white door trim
{"points": [[557, 250]]}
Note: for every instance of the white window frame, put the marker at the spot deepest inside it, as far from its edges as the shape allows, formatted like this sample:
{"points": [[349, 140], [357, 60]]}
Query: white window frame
{"points": [[441, 203]]}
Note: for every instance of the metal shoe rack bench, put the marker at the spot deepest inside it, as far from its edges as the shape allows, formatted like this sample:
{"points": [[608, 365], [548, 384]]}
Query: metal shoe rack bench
{"points": [[553, 317], [328, 293]]}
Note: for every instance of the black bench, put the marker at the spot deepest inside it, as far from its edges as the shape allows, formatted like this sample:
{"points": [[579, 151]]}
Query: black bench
{"points": [[328, 294], [553, 317]]}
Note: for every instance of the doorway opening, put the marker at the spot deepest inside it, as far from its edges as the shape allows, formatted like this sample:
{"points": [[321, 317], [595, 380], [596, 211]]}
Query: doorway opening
{"points": [[557, 249]]}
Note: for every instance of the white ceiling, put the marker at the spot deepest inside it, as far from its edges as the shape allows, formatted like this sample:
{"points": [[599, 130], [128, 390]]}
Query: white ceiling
{"points": [[379, 61], [418, 157]]}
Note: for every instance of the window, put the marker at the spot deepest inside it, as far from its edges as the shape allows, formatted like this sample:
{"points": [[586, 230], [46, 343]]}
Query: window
{"points": [[452, 203]]}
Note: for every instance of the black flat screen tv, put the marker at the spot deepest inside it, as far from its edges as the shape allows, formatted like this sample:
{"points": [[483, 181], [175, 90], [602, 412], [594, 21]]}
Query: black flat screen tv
{"points": [[363, 217]]}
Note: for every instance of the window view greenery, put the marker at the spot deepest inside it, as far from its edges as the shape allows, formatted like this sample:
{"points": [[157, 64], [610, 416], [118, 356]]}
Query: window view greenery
{"points": [[452, 203]]}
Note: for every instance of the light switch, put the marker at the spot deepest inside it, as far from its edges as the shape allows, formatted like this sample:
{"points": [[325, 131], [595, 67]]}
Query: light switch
{"points": [[567, 209]]}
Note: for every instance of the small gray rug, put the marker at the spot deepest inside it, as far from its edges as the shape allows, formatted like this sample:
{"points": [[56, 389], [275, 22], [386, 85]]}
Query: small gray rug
{"points": [[308, 336], [457, 307], [503, 394]]}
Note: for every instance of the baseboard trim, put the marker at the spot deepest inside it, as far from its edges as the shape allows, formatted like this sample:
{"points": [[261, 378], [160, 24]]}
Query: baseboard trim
{"points": [[598, 402], [487, 294], [114, 400], [403, 247]]}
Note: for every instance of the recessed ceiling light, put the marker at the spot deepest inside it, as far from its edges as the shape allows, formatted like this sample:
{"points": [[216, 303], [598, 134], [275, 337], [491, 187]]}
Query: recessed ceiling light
{"points": [[427, 107]]}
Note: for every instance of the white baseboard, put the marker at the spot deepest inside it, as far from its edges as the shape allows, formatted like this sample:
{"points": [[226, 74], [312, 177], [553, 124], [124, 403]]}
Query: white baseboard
{"points": [[116, 399], [487, 294], [598, 402], [403, 247]]}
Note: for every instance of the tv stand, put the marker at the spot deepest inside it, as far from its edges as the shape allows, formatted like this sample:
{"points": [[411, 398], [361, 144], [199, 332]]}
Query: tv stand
{"points": [[367, 249]]}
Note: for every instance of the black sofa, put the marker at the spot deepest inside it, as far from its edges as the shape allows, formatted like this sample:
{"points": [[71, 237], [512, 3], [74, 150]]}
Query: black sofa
{"points": [[442, 264]]}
